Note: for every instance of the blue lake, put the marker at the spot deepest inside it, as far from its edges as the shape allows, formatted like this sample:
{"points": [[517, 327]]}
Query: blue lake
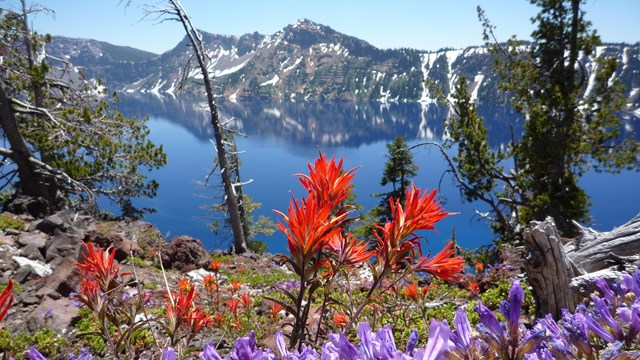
{"points": [[282, 138]]}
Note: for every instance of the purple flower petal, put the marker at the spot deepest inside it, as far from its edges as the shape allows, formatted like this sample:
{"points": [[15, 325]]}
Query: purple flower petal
{"points": [[34, 354], [344, 348], [169, 354], [209, 352], [366, 347], [602, 310], [604, 287], [597, 329], [489, 320], [411, 343], [462, 335], [438, 342], [516, 296]]}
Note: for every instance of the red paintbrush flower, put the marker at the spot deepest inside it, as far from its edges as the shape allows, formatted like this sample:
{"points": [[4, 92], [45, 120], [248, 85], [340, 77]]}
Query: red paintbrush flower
{"points": [[184, 285], [308, 227], [99, 265], [198, 320], [340, 318], [348, 250], [215, 266], [327, 181], [411, 291], [209, 283], [232, 304], [396, 239], [479, 267], [235, 286], [245, 299], [90, 294], [275, 309], [474, 288], [179, 310], [442, 265], [6, 298]]}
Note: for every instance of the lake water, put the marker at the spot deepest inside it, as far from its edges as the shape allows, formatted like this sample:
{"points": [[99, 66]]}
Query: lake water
{"points": [[282, 138]]}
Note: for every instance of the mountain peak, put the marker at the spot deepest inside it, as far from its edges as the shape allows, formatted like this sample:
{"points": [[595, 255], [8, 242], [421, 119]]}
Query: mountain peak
{"points": [[307, 25], [304, 23]]}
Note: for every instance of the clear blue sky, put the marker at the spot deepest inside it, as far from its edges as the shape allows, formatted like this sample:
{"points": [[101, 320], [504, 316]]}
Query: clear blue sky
{"points": [[420, 24]]}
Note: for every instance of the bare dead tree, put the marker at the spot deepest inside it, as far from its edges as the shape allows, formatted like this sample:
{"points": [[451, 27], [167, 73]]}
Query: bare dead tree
{"points": [[176, 12]]}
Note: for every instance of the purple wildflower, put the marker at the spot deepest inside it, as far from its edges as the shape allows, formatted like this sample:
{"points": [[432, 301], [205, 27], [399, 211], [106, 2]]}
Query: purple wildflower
{"points": [[34, 354], [84, 354], [169, 354], [516, 296], [489, 321], [307, 353], [209, 352], [606, 290], [247, 349], [47, 313], [438, 343], [630, 316], [411, 343], [631, 283], [342, 347], [329, 351], [602, 310], [379, 346], [461, 337]]}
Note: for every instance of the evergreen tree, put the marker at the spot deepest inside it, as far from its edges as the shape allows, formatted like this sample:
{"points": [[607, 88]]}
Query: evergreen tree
{"points": [[66, 142], [398, 171], [568, 128]]}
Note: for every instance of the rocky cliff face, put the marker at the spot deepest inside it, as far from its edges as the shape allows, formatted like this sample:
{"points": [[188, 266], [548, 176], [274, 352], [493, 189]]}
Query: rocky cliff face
{"points": [[310, 61]]}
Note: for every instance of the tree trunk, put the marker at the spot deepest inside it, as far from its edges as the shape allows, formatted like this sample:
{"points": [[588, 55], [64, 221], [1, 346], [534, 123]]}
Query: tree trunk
{"points": [[562, 271], [31, 183], [231, 198]]}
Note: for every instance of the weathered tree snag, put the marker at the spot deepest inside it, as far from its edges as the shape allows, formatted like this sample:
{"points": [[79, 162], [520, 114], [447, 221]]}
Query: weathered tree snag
{"points": [[562, 271]]}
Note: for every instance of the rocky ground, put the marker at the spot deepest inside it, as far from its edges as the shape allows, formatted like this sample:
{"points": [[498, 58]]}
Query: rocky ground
{"points": [[40, 256]]}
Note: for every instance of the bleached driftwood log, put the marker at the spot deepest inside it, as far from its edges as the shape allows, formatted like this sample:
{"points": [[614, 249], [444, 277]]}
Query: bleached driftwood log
{"points": [[562, 271]]}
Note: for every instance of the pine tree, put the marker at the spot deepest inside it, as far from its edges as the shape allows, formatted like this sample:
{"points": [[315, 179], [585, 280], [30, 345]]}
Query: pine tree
{"points": [[568, 128], [398, 171], [67, 144]]}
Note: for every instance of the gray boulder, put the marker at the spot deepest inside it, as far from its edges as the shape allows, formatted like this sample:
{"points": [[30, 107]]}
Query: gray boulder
{"points": [[32, 238], [62, 245]]}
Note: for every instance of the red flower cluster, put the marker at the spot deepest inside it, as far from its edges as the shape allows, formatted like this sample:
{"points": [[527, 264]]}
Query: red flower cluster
{"points": [[443, 265], [99, 265], [182, 312]]}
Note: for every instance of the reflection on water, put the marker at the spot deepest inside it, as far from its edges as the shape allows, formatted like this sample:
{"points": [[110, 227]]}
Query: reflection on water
{"points": [[323, 124], [283, 137]]}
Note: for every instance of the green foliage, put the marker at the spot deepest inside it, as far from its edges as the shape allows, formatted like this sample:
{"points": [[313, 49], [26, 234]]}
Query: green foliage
{"points": [[257, 246], [88, 330], [499, 292], [138, 262], [262, 279], [73, 128], [10, 222], [17, 288], [253, 227], [566, 131], [45, 340]]}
